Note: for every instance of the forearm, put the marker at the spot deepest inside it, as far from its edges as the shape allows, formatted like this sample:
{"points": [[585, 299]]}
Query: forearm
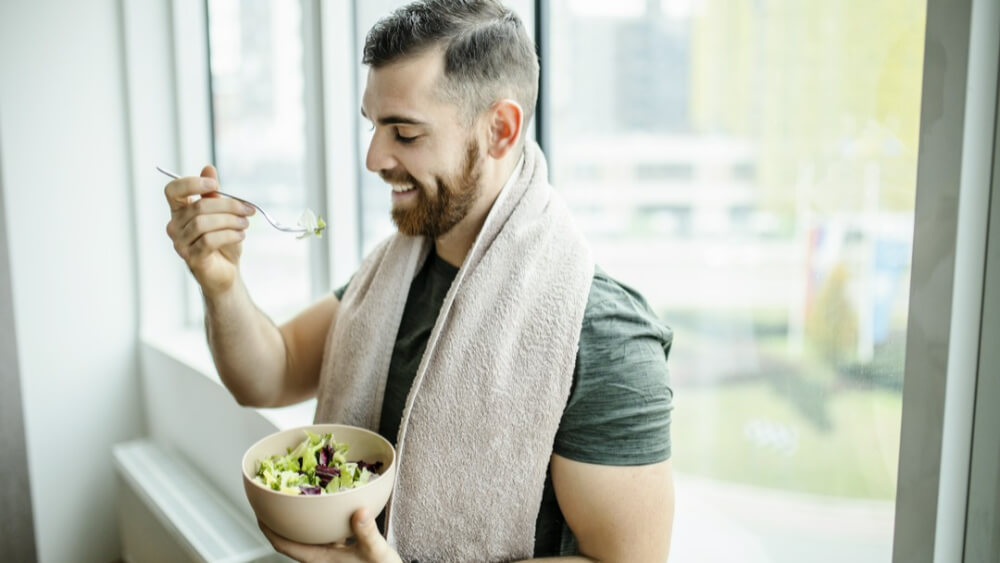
{"points": [[247, 348]]}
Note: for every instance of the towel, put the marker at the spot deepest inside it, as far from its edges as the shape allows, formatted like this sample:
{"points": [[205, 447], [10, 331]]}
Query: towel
{"points": [[481, 416]]}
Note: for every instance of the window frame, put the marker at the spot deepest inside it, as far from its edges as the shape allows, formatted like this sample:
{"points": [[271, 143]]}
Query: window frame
{"points": [[946, 469], [981, 541], [939, 392]]}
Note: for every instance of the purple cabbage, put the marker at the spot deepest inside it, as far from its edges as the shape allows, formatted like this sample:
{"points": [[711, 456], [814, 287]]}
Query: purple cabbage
{"points": [[373, 467], [325, 455], [310, 490], [325, 473]]}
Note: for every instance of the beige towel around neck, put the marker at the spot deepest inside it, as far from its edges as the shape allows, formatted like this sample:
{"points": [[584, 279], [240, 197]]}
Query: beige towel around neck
{"points": [[481, 417]]}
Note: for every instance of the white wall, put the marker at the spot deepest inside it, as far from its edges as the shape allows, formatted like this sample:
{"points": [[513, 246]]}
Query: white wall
{"points": [[67, 209]]}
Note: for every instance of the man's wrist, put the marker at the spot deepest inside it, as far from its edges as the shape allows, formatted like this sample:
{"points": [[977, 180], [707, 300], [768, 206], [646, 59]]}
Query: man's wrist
{"points": [[223, 296]]}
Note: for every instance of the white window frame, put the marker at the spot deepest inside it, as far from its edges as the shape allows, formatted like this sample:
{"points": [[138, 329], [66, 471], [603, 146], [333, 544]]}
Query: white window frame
{"points": [[982, 541], [955, 164], [333, 82], [982, 518], [947, 470]]}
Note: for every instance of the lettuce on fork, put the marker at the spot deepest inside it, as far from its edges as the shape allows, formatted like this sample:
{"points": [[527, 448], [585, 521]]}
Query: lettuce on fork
{"points": [[314, 224], [317, 465]]}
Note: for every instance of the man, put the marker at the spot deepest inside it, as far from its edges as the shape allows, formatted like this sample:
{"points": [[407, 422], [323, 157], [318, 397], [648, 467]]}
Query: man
{"points": [[525, 391]]}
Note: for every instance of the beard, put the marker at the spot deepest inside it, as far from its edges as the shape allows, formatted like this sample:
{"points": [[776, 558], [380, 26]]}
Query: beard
{"points": [[434, 216]]}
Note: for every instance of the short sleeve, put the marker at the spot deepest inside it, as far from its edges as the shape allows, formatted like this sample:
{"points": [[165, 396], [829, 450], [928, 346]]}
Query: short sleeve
{"points": [[619, 408], [340, 291]]}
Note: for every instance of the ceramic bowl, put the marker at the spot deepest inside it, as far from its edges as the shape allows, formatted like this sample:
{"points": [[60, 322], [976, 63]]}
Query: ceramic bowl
{"points": [[319, 519]]}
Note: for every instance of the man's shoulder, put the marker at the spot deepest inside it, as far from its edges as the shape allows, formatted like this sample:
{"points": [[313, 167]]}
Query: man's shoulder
{"points": [[606, 291], [618, 311], [622, 344], [621, 392]]}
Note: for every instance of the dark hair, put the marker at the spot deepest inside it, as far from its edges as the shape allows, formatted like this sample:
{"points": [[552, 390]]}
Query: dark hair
{"points": [[488, 54]]}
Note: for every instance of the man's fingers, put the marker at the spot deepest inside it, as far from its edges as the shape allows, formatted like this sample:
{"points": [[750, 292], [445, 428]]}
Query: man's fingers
{"points": [[292, 549], [181, 218], [190, 223], [201, 224], [210, 242], [185, 235], [372, 545], [209, 172], [178, 191], [211, 204]]}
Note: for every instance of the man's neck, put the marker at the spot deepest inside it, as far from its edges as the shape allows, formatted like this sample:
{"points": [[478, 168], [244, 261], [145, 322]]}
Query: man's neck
{"points": [[454, 245]]}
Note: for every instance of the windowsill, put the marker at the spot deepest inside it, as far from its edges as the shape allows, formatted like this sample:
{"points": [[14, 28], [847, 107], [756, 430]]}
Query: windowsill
{"points": [[189, 348], [189, 411]]}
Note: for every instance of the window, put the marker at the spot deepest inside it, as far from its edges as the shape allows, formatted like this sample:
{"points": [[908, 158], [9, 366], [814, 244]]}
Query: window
{"points": [[756, 184], [259, 139], [374, 199], [661, 171], [753, 171]]}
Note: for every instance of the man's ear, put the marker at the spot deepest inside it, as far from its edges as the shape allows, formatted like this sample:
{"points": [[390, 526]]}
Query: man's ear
{"points": [[505, 121]]}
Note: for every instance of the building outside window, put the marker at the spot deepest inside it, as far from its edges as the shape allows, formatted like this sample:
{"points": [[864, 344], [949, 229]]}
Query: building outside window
{"points": [[752, 171]]}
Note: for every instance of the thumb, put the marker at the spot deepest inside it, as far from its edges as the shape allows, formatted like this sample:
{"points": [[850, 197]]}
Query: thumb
{"points": [[370, 541], [209, 172]]}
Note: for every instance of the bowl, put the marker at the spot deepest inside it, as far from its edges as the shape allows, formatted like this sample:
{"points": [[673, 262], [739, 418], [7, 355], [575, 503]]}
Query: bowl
{"points": [[326, 518]]}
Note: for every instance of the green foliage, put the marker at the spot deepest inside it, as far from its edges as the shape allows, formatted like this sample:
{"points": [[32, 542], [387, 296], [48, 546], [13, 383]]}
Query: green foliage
{"points": [[855, 456], [831, 323]]}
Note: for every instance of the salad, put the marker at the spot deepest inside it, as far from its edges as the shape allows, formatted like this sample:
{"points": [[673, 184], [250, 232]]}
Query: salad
{"points": [[314, 224], [316, 466]]}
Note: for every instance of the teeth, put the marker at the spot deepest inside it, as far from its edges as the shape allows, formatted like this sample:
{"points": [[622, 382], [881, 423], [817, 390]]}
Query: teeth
{"points": [[400, 188]]}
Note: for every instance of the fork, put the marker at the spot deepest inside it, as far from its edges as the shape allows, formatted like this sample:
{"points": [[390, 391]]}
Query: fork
{"points": [[268, 218]]}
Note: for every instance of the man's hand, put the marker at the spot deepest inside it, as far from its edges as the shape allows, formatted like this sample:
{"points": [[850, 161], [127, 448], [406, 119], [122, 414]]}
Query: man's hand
{"points": [[369, 547], [208, 231]]}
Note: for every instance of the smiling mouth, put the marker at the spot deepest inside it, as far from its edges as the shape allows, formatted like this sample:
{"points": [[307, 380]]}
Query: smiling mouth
{"points": [[402, 188]]}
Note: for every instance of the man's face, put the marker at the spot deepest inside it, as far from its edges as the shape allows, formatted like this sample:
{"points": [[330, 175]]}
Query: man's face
{"points": [[420, 146]]}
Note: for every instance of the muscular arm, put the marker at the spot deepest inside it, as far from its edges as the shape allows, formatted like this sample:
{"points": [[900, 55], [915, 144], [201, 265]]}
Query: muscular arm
{"points": [[619, 504], [616, 513], [261, 364]]}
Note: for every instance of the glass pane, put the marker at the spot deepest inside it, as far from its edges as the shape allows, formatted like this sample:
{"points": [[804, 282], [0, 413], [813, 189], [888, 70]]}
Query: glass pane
{"points": [[259, 121], [375, 196], [750, 167]]}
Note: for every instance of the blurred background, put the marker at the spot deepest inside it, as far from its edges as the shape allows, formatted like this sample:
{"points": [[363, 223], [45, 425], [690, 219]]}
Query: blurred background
{"points": [[750, 167]]}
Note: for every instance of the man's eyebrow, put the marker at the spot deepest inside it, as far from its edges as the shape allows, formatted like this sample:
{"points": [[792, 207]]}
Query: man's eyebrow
{"points": [[395, 119]]}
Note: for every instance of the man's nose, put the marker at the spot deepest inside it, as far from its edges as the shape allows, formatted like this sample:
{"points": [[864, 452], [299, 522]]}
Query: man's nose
{"points": [[379, 157]]}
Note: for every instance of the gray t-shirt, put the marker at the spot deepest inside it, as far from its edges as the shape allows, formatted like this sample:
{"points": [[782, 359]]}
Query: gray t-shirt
{"points": [[618, 411]]}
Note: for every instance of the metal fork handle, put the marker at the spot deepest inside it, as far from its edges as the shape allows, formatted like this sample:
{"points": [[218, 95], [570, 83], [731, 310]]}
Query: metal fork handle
{"points": [[267, 217]]}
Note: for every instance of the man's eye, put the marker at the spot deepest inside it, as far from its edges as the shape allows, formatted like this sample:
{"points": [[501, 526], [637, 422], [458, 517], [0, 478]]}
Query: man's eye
{"points": [[406, 140]]}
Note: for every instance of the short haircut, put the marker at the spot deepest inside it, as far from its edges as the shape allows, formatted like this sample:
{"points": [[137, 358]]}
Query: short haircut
{"points": [[488, 54]]}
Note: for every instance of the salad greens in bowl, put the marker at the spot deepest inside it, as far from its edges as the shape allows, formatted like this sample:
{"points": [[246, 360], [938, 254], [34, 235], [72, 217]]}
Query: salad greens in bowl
{"points": [[305, 483], [316, 466]]}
